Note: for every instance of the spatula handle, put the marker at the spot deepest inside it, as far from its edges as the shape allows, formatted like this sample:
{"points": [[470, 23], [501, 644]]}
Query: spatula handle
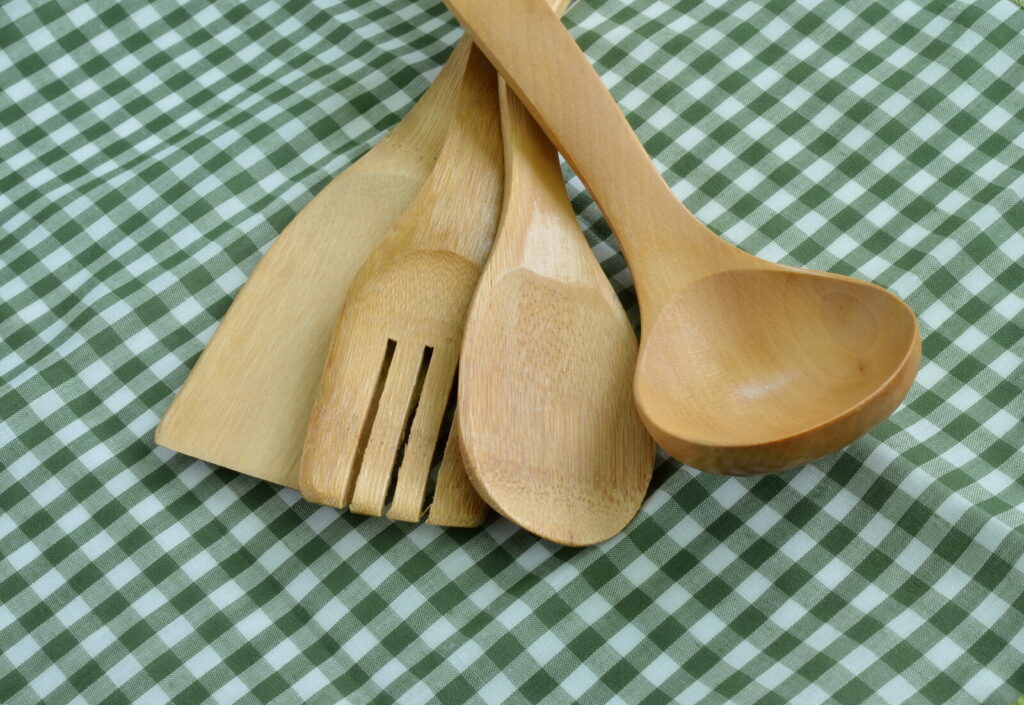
{"points": [[467, 175]]}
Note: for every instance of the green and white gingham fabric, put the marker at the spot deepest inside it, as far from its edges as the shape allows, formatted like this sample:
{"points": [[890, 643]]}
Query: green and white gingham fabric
{"points": [[150, 152]]}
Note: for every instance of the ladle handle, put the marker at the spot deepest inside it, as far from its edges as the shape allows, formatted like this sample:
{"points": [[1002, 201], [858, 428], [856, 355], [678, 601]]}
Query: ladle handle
{"points": [[542, 63]]}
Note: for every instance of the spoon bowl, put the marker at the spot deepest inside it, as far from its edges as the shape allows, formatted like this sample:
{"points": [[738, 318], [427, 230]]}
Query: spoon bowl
{"points": [[805, 362], [552, 440]]}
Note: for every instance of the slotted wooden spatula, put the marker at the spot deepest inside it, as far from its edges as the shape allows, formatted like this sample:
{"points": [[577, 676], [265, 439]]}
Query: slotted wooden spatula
{"points": [[247, 400], [389, 374]]}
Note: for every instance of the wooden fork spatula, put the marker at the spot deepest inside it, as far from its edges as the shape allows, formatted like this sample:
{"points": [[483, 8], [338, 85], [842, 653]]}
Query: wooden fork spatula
{"points": [[389, 374]]}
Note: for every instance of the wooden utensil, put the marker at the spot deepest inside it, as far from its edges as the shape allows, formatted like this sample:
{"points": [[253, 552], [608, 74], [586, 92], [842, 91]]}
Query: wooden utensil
{"points": [[247, 400], [395, 348], [550, 434], [745, 366]]}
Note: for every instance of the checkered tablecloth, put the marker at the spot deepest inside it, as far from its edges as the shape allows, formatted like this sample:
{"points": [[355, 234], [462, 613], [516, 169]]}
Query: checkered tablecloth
{"points": [[149, 153]]}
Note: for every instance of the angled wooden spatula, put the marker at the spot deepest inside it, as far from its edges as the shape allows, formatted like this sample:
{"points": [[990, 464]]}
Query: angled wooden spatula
{"points": [[389, 374], [247, 400]]}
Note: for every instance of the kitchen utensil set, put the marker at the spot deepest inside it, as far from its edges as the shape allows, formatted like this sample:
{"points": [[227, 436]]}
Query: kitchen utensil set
{"points": [[744, 366]]}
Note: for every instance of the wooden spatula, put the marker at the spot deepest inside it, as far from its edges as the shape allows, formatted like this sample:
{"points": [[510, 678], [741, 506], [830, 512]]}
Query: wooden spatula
{"points": [[550, 435], [388, 377], [246, 402]]}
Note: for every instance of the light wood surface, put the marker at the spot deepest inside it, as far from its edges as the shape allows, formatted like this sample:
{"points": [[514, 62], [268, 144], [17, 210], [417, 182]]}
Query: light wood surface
{"points": [[550, 434], [247, 400], [745, 366], [395, 348]]}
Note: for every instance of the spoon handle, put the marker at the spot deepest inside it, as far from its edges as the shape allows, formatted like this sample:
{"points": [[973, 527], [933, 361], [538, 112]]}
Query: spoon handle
{"points": [[466, 184], [539, 230]]}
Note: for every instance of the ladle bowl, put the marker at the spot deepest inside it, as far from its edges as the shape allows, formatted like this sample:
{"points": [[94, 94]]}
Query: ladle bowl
{"points": [[756, 370]]}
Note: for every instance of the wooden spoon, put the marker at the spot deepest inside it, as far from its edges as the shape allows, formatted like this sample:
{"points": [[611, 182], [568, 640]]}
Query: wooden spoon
{"points": [[389, 373], [247, 400], [550, 434], [745, 366]]}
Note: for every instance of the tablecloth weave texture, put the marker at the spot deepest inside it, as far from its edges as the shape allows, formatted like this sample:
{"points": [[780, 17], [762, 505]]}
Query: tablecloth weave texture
{"points": [[151, 151]]}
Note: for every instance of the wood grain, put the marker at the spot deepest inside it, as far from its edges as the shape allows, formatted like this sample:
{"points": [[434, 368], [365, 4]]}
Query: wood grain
{"points": [[745, 366]]}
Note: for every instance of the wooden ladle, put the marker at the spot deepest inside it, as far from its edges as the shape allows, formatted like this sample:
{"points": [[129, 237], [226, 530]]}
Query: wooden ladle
{"points": [[550, 434], [745, 366]]}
